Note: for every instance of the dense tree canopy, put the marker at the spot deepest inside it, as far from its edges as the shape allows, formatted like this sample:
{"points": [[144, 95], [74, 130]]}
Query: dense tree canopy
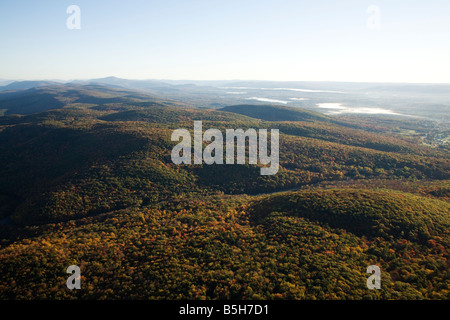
{"points": [[96, 187]]}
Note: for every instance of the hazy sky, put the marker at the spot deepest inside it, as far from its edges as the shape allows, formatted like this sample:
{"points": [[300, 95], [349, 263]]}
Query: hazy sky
{"points": [[244, 39]]}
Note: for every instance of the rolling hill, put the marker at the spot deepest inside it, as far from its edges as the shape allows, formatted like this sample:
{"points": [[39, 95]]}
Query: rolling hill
{"points": [[276, 113], [47, 97], [370, 213], [92, 183]]}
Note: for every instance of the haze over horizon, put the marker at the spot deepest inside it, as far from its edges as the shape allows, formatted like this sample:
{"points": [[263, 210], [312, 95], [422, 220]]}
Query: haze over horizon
{"points": [[218, 80], [351, 41]]}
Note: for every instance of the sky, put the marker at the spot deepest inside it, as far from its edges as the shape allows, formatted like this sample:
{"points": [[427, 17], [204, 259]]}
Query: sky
{"points": [[286, 40]]}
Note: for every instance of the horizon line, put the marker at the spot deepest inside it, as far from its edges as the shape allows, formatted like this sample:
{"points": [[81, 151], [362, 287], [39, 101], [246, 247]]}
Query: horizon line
{"points": [[65, 81]]}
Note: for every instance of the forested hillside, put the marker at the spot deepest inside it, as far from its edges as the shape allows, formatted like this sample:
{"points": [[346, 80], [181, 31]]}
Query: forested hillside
{"points": [[92, 184]]}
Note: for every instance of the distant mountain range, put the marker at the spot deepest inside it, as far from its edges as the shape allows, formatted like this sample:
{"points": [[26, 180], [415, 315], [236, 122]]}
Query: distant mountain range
{"points": [[308, 85], [23, 85], [4, 82], [430, 101]]}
